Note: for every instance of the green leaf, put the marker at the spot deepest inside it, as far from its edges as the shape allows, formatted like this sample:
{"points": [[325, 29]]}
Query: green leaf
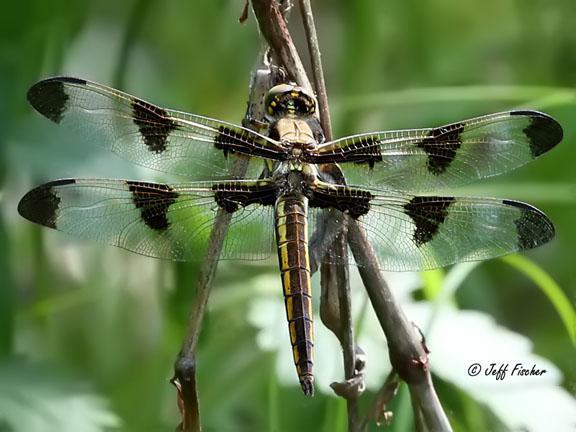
{"points": [[539, 97], [433, 281], [550, 289]]}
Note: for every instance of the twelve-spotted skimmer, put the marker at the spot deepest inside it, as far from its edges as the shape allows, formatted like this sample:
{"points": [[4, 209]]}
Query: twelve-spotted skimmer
{"points": [[290, 190]]}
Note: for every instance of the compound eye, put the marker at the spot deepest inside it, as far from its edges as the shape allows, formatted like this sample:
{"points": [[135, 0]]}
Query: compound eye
{"points": [[305, 104], [302, 106]]}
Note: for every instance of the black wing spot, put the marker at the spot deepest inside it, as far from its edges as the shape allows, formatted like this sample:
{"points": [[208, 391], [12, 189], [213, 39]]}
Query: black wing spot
{"points": [[369, 147], [428, 213], [354, 202], [49, 98], [41, 204], [235, 140], [363, 150], [533, 226], [441, 146], [232, 196], [153, 200], [154, 125], [543, 132], [230, 141]]}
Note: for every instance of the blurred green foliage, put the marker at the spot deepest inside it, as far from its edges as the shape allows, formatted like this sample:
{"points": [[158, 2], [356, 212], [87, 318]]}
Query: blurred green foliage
{"points": [[99, 328]]}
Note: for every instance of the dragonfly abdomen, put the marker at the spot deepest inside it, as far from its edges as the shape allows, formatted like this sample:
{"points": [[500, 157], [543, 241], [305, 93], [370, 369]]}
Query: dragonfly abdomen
{"points": [[292, 240]]}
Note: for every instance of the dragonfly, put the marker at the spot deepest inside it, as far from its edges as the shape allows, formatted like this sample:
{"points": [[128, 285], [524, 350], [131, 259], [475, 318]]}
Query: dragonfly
{"points": [[395, 200]]}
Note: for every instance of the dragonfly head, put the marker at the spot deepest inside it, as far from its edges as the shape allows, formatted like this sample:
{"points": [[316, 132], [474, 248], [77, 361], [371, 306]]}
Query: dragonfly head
{"points": [[287, 100]]}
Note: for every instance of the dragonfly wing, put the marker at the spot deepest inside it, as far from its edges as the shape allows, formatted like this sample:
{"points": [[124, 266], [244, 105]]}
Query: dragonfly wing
{"points": [[151, 136], [157, 220], [422, 160], [413, 233]]}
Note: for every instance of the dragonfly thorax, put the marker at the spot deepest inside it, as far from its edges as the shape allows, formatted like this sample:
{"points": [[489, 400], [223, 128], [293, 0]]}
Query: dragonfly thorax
{"points": [[296, 135]]}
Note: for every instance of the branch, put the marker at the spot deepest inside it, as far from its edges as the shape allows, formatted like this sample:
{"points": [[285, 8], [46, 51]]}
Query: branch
{"points": [[336, 314], [273, 27], [317, 71], [408, 355], [379, 413], [185, 366]]}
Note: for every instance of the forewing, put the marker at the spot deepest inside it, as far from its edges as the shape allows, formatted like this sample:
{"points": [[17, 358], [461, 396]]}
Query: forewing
{"points": [[421, 160], [152, 219], [157, 138]]}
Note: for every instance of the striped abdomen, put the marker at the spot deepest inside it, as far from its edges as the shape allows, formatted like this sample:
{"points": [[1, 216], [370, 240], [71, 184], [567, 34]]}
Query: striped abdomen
{"points": [[292, 240]]}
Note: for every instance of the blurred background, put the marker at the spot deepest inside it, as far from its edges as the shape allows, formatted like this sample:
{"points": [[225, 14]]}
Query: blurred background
{"points": [[89, 333]]}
